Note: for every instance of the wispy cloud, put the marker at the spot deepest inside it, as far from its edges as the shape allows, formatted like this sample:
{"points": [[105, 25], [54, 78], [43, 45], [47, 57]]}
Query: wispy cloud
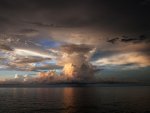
{"points": [[125, 60]]}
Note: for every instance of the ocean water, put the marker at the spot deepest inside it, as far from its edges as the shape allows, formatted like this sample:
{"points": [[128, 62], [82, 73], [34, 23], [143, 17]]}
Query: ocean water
{"points": [[129, 99]]}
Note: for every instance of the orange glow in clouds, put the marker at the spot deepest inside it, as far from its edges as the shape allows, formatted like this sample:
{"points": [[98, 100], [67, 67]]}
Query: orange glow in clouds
{"points": [[69, 70]]}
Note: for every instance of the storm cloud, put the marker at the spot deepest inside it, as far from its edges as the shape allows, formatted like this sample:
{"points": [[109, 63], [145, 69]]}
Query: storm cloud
{"points": [[38, 35]]}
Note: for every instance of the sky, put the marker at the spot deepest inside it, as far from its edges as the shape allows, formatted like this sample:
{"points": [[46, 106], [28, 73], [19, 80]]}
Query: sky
{"points": [[109, 39]]}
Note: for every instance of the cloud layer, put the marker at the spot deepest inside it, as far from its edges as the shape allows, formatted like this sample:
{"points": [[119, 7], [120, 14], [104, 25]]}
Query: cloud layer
{"points": [[45, 35]]}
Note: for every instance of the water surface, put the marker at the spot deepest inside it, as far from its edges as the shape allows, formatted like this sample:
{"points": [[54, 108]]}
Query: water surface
{"points": [[129, 99]]}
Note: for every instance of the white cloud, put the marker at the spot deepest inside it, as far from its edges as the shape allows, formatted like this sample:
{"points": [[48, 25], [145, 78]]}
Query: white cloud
{"points": [[135, 58], [25, 52]]}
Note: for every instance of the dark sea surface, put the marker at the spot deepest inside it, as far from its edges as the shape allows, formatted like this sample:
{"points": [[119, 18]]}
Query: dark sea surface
{"points": [[101, 99]]}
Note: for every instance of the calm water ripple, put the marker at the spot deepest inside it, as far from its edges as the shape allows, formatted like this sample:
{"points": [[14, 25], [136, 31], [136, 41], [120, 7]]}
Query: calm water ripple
{"points": [[75, 100]]}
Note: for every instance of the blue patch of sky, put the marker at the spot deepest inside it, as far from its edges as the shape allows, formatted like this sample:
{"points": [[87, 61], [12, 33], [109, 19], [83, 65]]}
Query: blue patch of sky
{"points": [[4, 74], [48, 62], [141, 74], [47, 43], [58, 71], [52, 61]]}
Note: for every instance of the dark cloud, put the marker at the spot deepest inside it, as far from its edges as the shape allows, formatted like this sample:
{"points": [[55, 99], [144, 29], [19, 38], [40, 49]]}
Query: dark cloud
{"points": [[134, 39], [71, 48], [41, 24], [30, 60], [5, 47], [101, 14], [128, 64], [28, 31], [3, 20], [113, 40], [45, 67], [138, 39], [145, 2]]}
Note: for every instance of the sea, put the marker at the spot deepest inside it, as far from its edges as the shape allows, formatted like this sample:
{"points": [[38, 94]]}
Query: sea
{"points": [[71, 99]]}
